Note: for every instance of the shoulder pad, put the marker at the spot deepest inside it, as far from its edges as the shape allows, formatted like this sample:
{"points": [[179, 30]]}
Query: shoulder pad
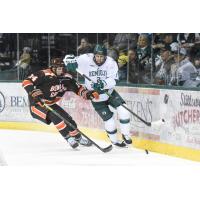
{"points": [[48, 72], [110, 58]]}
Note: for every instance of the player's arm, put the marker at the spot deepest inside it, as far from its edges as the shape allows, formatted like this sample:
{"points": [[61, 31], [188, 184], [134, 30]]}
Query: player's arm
{"points": [[70, 63], [72, 85], [33, 80], [73, 63], [112, 76], [30, 83]]}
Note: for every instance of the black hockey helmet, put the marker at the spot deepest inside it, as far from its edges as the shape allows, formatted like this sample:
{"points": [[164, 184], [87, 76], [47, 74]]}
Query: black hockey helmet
{"points": [[57, 62]]}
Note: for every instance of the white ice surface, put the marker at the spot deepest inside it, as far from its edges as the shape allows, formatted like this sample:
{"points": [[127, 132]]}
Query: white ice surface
{"points": [[30, 148]]}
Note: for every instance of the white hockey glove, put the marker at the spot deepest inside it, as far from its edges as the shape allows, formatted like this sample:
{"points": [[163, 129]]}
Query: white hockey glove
{"points": [[70, 63]]}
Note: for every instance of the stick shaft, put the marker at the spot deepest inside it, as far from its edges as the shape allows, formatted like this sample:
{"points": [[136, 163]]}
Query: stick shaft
{"points": [[145, 122], [72, 126]]}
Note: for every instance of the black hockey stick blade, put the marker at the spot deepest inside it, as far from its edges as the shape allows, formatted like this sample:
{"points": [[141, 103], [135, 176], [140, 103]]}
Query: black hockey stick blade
{"points": [[148, 123], [107, 149]]}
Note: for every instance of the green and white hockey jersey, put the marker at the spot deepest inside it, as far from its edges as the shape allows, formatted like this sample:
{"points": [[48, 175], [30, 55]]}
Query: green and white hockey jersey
{"points": [[107, 72]]}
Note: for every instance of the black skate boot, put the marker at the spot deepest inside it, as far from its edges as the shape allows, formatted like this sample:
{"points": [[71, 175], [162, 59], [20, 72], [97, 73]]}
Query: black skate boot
{"points": [[119, 144], [115, 141], [127, 139], [83, 141], [72, 142]]}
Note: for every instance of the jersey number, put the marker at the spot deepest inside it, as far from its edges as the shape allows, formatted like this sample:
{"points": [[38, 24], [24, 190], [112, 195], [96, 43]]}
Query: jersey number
{"points": [[33, 78]]}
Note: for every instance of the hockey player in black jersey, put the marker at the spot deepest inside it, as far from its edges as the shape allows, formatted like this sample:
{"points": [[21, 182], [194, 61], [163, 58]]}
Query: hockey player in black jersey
{"points": [[48, 86]]}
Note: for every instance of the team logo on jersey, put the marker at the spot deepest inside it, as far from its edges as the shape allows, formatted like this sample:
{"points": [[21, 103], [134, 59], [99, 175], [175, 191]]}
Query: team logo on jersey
{"points": [[56, 88], [2, 102], [104, 113], [98, 73]]}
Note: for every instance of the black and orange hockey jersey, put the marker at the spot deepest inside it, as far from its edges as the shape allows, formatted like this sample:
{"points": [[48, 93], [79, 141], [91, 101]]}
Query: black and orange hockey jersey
{"points": [[52, 86]]}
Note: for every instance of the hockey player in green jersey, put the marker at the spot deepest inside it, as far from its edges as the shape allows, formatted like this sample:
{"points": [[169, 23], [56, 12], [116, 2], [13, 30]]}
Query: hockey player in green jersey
{"points": [[103, 71]]}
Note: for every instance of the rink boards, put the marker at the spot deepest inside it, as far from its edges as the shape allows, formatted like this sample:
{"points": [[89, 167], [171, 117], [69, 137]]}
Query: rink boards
{"points": [[179, 136]]}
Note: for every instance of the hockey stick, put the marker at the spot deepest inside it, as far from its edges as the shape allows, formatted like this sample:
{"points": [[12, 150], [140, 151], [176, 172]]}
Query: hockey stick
{"points": [[145, 122], [157, 123], [134, 114], [106, 149]]}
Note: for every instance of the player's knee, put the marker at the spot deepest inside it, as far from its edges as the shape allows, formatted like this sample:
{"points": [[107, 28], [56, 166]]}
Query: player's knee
{"points": [[123, 113], [39, 115]]}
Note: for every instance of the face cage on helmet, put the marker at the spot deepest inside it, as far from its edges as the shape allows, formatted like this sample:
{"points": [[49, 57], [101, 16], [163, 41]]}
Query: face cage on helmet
{"points": [[54, 69]]}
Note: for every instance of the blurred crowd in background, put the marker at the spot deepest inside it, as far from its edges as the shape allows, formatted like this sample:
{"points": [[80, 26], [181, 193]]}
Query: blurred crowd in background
{"points": [[170, 59]]}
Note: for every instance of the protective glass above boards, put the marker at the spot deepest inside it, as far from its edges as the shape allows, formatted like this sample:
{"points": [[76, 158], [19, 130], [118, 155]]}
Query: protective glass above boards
{"points": [[166, 60]]}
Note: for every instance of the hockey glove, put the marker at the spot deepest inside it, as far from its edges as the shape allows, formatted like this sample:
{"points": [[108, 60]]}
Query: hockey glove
{"points": [[37, 96], [86, 94], [70, 63], [99, 86], [92, 95]]}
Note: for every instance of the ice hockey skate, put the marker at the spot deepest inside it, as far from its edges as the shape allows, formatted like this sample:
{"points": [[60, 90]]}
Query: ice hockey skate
{"points": [[83, 141], [119, 144], [72, 142], [127, 139]]}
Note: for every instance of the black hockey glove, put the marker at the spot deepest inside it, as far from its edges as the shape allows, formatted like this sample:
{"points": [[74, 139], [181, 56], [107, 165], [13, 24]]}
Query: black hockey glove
{"points": [[37, 96]]}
